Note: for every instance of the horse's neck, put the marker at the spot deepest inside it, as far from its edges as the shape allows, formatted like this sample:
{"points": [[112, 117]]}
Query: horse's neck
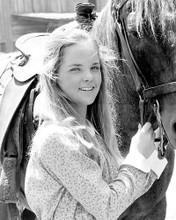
{"points": [[127, 110]]}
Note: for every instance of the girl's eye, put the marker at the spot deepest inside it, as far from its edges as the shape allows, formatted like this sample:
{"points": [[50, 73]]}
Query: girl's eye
{"points": [[76, 69], [96, 68]]}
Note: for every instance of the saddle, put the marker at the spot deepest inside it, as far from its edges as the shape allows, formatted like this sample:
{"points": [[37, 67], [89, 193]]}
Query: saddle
{"points": [[16, 118]]}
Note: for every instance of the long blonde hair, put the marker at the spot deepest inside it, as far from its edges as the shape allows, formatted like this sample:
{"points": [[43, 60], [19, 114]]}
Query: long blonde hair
{"points": [[59, 107]]}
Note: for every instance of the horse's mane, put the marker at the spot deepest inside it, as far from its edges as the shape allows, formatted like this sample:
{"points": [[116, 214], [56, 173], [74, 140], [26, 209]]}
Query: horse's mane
{"points": [[142, 12]]}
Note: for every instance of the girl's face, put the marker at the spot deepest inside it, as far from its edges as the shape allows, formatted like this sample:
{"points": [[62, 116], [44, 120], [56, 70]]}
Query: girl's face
{"points": [[79, 74]]}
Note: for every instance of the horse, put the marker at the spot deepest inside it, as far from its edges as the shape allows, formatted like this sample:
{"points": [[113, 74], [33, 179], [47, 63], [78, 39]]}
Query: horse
{"points": [[151, 205], [143, 35]]}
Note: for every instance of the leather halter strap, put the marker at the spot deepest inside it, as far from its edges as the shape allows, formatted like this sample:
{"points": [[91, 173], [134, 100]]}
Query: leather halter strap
{"points": [[119, 14], [162, 89]]}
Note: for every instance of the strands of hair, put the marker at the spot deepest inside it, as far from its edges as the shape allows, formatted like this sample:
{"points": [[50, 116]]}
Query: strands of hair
{"points": [[152, 12]]}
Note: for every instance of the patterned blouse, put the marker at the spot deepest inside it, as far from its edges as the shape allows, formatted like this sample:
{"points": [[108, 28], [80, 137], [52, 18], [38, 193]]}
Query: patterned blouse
{"points": [[66, 180]]}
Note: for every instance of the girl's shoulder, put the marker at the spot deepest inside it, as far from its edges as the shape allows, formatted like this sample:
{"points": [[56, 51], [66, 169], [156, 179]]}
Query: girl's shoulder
{"points": [[50, 135], [54, 129]]}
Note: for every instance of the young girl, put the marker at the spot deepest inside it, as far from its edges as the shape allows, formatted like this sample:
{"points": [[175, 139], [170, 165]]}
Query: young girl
{"points": [[75, 170]]}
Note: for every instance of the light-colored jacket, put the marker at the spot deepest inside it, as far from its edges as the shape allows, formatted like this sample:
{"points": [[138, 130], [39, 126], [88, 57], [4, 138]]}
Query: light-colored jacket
{"points": [[66, 180]]}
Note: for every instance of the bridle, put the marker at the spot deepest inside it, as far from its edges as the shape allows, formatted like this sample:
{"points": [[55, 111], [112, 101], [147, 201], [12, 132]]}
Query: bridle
{"points": [[144, 91]]}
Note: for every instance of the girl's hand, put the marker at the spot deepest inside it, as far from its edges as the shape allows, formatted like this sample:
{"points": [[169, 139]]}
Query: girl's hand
{"points": [[143, 140]]}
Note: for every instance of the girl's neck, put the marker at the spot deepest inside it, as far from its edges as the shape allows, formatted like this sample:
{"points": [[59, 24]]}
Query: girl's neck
{"points": [[81, 112]]}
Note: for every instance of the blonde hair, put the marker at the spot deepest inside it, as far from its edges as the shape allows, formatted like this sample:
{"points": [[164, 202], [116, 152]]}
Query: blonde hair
{"points": [[59, 107]]}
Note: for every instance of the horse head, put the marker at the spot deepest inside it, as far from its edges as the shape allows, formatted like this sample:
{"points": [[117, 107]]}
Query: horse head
{"points": [[151, 39], [143, 35]]}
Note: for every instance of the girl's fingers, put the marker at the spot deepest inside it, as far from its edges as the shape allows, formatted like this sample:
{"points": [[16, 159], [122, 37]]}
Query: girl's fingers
{"points": [[147, 126], [154, 135], [157, 132], [156, 145], [139, 126]]}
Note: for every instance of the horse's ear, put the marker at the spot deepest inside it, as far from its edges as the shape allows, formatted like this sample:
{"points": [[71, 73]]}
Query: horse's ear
{"points": [[85, 11], [85, 15], [32, 48]]}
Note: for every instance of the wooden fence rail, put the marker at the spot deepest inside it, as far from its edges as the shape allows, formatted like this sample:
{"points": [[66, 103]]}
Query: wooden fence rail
{"points": [[37, 6]]}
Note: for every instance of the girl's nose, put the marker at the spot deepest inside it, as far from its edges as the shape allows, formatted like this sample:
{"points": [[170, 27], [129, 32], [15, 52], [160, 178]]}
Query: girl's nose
{"points": [[88, 76]]}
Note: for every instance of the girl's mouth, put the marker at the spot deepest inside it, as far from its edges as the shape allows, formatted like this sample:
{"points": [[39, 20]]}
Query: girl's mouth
{"points": [[87, 88]]}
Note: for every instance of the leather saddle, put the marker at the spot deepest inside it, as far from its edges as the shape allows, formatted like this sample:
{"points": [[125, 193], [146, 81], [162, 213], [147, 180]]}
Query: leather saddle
{"points": [[16, 118]]}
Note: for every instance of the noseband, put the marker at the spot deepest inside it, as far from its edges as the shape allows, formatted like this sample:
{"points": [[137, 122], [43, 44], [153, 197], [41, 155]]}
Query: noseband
{"points": [[145, 92]]}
